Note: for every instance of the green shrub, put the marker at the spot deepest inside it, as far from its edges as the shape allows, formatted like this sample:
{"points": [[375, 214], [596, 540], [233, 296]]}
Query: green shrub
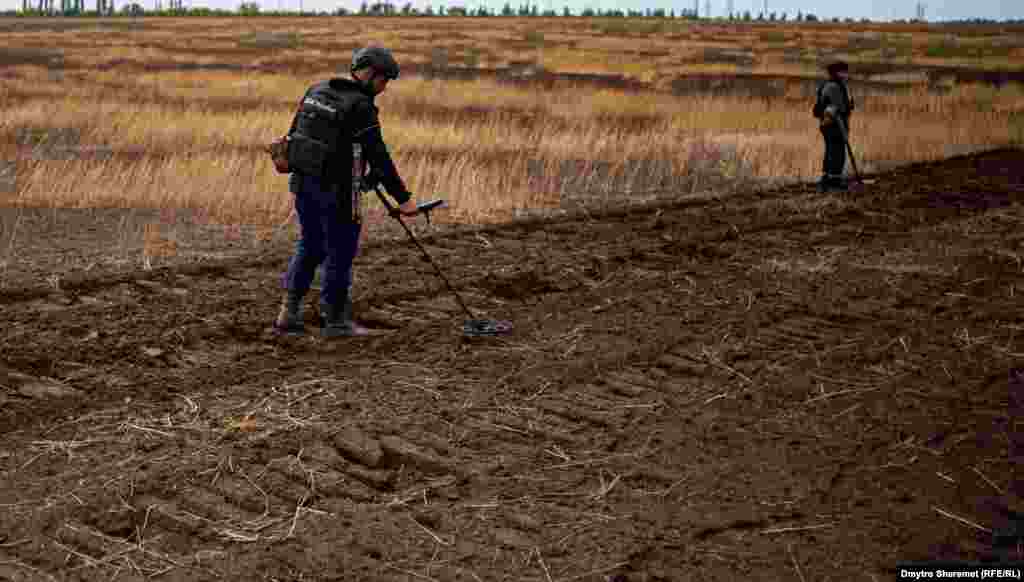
{"points": [[952, 47], [271, 40], [773, 37], [12, 56], [534, 37], [1017, 128], [624, 26], [984, 98]]}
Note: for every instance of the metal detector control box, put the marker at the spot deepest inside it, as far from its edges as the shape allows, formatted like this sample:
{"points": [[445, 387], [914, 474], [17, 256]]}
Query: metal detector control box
{"points": [[426, 207]]}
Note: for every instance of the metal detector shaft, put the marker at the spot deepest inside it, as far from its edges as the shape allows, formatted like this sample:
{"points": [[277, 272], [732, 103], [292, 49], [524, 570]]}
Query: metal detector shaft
{"points": [[424, 208], [849, 149]]}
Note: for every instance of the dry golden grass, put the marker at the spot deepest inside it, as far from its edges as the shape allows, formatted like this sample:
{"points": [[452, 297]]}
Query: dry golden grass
{"points": [[485, 146]]}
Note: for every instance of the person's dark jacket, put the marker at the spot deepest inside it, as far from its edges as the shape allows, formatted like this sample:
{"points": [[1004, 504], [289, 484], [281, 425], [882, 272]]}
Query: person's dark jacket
{"points": [[836, 97], [364, 123]]}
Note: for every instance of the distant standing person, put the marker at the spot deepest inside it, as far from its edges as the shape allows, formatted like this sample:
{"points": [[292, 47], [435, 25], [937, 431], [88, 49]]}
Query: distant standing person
{"points": [[335, 131], [834, 106]]}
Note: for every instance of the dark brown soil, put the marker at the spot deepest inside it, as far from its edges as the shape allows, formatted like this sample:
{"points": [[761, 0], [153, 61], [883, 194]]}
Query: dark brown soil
{"points": [[780, 385]]}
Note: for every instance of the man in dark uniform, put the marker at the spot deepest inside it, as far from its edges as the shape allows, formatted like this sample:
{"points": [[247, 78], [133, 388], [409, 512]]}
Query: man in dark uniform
{"points": [[834, 107], [328, 206]]}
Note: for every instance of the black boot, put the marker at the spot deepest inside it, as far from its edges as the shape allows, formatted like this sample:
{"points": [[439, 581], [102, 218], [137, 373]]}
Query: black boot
{"points": [[823, 184], [338, 322], [289, 318], [832, 183]]}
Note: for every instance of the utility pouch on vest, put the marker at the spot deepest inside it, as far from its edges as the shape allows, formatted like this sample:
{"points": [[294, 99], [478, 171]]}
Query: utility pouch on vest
{"points": [[307, 155], [278, 150]]}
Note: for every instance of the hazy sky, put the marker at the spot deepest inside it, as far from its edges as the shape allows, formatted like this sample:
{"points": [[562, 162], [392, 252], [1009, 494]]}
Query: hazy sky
{"points": [[875, 9]]}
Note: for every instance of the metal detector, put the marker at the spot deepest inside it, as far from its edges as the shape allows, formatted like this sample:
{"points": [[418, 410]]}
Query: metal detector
{"points": [[849, 150], [473, 326]]}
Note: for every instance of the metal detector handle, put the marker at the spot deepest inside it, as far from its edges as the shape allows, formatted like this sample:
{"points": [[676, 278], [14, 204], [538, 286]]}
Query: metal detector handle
{"points": [[421, 208], [393, 211]]}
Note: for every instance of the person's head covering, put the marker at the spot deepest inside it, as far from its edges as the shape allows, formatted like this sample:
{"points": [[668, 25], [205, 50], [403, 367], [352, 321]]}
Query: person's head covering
{"points": [[837, 67], [377, 57]]}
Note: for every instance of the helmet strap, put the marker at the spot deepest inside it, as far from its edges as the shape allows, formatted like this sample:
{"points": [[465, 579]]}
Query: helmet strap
{"points": [[368, 83]]}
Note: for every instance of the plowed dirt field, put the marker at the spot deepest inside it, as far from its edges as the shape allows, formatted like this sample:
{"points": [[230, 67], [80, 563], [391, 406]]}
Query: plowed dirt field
{"points": [[782, 385]]}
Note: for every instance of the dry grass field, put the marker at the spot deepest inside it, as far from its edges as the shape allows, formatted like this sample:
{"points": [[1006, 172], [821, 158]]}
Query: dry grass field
{"points": [[617, 108]]}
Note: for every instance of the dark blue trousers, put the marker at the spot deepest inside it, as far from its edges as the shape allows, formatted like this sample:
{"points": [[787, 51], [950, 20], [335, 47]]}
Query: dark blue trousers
{"points": [[326, 240], [835, 152]]}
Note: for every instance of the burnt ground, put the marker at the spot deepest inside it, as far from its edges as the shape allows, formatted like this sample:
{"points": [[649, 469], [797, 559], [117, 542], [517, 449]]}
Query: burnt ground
{"points": [[778, 385]]}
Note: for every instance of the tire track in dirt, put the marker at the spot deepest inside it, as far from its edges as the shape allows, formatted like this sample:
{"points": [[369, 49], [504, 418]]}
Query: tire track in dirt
{"points": [[410, 454], [72, 287], [184, 290], [684, 387]]}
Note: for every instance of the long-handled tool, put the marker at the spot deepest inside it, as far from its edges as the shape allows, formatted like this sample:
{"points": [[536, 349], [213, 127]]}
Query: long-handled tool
{"points": [[849, 150], [473, 326]]}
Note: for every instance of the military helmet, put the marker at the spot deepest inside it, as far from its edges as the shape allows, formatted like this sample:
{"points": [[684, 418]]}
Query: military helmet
{"points": [[377, 57], [836, 67]]}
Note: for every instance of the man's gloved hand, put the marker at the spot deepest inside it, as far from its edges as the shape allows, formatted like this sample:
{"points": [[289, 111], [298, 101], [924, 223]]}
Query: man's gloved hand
{"points": [[409, 208], [829, 117]]}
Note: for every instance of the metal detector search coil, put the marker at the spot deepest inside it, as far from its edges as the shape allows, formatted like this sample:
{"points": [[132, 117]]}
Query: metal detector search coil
{"points": [[482, 327]]}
